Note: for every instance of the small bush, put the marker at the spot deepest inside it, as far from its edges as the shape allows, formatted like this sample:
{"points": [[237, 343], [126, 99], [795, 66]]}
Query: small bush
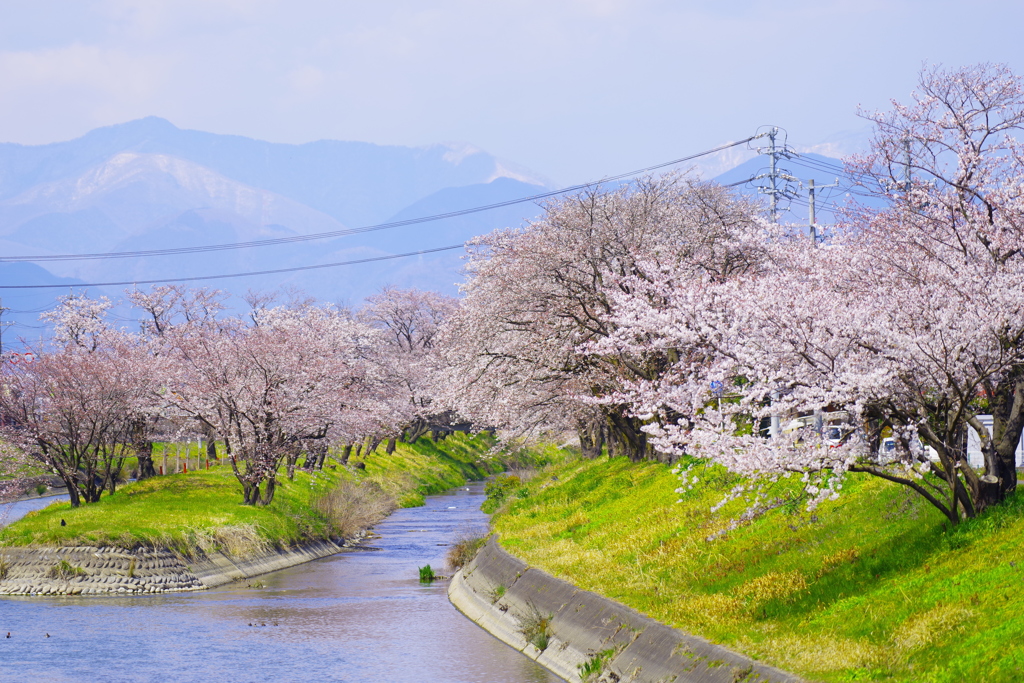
{"points": [[536, 628], [594, 667], [351, 507], [41, 489], [5, 567], [464, 550], [499, 489], [831, 562], [64, 571], [242, 540], [427, 574], [498, 593]]}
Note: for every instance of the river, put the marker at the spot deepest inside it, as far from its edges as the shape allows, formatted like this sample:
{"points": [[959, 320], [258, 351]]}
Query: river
{"points": [[357, 616]]}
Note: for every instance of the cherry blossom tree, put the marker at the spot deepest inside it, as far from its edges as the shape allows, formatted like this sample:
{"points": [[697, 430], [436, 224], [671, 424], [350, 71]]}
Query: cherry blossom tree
{"points": [[953, 170], [164, 308], [267, 388], [73, 410], [78, 320], [411, 320], [538, 294], [910, 319]]}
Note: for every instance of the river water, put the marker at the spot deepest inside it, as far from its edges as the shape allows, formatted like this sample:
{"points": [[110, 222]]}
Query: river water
{"points": [[357, 616]]}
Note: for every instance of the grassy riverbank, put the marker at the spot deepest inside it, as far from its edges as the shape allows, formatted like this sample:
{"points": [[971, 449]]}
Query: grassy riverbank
{"points": [[873, 586], [185, 511]]}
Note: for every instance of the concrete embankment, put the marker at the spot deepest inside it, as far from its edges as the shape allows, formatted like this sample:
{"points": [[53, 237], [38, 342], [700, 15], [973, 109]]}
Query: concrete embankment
{"points": [[84, 570], [507, 598]]}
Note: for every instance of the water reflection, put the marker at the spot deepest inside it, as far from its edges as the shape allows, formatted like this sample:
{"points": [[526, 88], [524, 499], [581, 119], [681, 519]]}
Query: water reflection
{"points": [[360, 616]]}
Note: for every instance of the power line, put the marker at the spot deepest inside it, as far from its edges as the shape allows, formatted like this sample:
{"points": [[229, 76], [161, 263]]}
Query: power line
{"points": [[352, 231], [232, 275]]}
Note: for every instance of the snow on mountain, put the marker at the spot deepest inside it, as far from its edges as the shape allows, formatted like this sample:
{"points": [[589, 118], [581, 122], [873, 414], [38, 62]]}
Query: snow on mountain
{"points": [[147, 185], [125, 194]]}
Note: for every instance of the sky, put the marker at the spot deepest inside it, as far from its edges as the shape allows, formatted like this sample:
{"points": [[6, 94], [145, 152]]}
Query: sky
{"points": [[574, 90]]}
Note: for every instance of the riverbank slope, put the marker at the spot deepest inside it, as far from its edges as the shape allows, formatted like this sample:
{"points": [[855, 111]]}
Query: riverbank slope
{"points": [[582, 636], [872, 586], [190, 531]]}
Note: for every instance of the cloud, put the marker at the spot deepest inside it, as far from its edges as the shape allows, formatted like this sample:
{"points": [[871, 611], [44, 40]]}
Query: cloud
{"points": [[575, 89]]}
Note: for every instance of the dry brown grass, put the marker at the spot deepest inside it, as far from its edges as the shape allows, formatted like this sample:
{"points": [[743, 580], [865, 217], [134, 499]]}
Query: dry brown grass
{"points": [[925, 629], [353, 506], [813, 653], [238, 540], [464, 550], [772, 586]]}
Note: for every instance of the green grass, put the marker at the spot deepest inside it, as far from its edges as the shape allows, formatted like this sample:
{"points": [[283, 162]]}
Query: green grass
{"points": [[874, 586], [170, 510], [425, 468], [183, 511]]}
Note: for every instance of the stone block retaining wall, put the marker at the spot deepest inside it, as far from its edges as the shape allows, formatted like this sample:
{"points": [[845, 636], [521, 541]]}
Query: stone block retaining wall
{"points": [[500, 593], [103, 571]]}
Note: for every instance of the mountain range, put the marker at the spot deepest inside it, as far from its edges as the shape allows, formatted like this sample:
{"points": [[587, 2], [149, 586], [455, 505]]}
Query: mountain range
{"points": [[146, 186]]}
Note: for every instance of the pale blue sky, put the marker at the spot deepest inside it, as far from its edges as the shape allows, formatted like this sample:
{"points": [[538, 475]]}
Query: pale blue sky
{"points": [[573, 89]]}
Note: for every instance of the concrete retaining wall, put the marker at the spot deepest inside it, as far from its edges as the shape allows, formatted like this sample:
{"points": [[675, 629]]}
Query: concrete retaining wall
{"points": [[103, 571], [501, 593]]}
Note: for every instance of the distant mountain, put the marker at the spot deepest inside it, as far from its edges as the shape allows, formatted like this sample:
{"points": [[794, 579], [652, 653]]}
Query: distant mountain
{"points": [[130, 195], [147, 185], [354, 182], [441, 271]]}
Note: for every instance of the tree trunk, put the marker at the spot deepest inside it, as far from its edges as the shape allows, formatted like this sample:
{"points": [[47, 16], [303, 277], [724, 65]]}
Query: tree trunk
{"points": [[1008, 424], [591, 436], [143, 450], [316, 453], [145, 454], [268, 492], [346, 451], [627, 436], [988, 492], [291, 460], [999, 450], [390, 448], [417, 429], [250, 493], [72, 484]]}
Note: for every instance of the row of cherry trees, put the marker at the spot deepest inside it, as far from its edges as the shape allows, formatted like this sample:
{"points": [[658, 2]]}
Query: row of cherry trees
{"points": [[668, 318], [284, 383], [518, 353], [662, 318], [910, 318]]}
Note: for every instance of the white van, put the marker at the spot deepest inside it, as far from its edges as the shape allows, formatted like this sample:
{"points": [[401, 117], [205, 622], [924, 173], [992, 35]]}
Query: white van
{"points": [[974, 454]]}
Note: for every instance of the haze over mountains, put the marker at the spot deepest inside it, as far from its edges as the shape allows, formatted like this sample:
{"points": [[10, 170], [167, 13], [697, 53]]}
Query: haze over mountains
{"points": [[148, 185]]}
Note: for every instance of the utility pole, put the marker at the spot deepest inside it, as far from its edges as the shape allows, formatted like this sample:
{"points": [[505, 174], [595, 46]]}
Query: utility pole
{"points": [[3, 324], [812, 222], [774, 152], [906, 167], [773, 191]]}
